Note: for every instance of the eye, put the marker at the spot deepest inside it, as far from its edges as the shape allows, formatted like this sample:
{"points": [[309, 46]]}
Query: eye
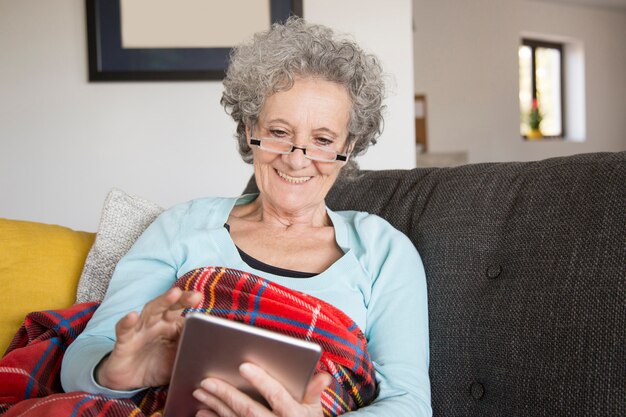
{"points": [[321, 141], [279, 133]]}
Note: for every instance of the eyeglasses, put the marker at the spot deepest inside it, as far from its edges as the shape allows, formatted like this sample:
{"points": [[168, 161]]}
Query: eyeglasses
{"points": [[312, 152]]}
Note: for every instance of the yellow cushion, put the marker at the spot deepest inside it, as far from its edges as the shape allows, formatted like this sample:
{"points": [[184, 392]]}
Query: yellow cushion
{"points": [[40, 265]]}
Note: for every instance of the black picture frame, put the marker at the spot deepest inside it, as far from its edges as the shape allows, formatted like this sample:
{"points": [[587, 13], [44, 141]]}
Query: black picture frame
{"points": [[109, 61]]}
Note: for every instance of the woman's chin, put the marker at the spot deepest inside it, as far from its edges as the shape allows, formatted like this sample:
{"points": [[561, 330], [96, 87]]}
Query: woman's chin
{"points": [[293, 203]]}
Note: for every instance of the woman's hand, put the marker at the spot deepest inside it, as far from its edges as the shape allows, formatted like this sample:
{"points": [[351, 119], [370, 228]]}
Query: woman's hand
{"points": [[224, 400], [145, 349]]}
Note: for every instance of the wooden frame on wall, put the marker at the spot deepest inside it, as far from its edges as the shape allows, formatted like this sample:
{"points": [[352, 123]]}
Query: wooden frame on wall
{"points": [[110, 61]]}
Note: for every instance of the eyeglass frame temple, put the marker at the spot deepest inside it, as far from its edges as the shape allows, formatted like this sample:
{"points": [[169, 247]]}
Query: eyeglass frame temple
{"points": [[338, 156]]}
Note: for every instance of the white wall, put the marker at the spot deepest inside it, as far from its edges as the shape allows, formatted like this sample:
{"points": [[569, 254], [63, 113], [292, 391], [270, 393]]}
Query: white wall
{"points": [[384, 28], [466, 63], [65, 142]]}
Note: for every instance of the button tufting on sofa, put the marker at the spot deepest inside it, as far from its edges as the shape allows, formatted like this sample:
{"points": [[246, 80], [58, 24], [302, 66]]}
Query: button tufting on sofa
{"points": [[493, 271], [477, 390]]}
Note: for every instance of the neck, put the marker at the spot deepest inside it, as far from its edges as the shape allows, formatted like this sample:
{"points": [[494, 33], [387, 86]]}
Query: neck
{"points": [[264, 211]]}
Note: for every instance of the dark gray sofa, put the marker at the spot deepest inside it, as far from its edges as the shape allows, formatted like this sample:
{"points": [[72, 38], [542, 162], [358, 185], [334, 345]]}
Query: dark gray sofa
{"points": [[526, 272]]}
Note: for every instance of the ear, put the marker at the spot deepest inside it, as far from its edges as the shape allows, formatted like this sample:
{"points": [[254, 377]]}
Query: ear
{"points": [[351, 146], [248, 133]]}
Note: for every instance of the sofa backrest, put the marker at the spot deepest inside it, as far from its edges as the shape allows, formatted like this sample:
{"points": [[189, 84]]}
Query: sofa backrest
{"points": [[526, 274]]}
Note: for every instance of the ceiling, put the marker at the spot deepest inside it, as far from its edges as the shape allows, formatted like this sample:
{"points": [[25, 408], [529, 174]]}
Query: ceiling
{"points": [[618, 5]]}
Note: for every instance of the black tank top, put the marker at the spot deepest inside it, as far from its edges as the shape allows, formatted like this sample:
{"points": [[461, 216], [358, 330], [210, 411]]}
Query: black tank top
{"points": [[262, 266]]}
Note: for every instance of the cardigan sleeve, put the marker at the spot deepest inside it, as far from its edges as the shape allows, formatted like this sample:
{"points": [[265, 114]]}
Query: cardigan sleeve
{"points": [[145, 272], [397, 321]]}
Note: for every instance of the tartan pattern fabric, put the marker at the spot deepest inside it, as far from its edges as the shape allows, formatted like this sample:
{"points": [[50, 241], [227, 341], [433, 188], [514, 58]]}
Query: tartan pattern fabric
{"points": [[30, 370], [30, 383], [250, 299]]}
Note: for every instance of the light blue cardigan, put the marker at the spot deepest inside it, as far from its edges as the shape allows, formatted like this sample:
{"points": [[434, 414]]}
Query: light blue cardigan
{"points": [[379, 282]]}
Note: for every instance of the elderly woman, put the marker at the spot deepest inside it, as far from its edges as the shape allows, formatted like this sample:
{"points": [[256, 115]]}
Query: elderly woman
{"points": [[305, 102]]}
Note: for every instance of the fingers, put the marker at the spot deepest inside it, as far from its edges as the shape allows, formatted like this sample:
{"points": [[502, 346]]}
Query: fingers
{"points": [[273, 391], [224, 400], [167, 301], [207, 413], [165, 309], [187, 299], [315, 388], [217, 406], [169, 306], [228, 401], [124, 327]]}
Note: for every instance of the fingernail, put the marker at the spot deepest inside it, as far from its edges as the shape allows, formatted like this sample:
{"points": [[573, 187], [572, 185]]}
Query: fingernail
{"points": [[199, 395], [209, 386], [246, 368]]}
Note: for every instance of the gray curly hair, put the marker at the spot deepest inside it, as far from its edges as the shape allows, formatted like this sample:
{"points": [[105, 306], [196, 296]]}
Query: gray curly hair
{"points": [[271, 62]]}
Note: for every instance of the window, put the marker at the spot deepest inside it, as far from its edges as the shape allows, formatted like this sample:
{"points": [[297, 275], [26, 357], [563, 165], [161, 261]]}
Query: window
{"points": [[541, 82]]}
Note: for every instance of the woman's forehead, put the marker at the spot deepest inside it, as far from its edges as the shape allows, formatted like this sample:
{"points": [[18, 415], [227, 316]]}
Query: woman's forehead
{"points": [[312, 103]]}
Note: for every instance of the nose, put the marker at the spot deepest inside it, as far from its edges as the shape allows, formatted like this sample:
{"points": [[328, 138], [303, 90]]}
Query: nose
{"points": [[296, 158]]}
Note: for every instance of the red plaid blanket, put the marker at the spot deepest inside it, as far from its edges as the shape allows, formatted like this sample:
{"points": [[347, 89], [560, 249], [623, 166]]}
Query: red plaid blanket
{"points": [[29, 371]]}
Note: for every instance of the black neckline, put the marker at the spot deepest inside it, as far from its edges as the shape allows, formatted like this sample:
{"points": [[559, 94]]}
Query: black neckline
{"points": [[262, 266]]}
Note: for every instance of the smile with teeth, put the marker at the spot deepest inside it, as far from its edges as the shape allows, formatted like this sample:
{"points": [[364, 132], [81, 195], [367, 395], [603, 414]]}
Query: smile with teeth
{"points": [[293, 180]]}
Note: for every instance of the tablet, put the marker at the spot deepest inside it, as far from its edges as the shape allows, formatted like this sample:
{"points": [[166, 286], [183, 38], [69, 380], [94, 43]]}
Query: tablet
{"points": [[213, 346]]}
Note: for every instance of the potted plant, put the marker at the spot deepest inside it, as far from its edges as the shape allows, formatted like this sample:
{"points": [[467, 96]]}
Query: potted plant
{"points": [[534, 121]]}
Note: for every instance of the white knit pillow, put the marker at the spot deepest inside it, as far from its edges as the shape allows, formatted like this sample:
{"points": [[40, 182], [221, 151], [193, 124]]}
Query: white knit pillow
{"points": [[124, 218]]}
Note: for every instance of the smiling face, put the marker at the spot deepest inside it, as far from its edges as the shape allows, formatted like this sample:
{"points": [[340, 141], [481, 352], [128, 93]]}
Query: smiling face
{"points": [[313, 112]]}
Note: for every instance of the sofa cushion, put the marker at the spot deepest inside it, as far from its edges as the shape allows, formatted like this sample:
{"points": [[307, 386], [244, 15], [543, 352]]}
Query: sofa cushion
{"points": [[124, 218], [39, 269]]}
